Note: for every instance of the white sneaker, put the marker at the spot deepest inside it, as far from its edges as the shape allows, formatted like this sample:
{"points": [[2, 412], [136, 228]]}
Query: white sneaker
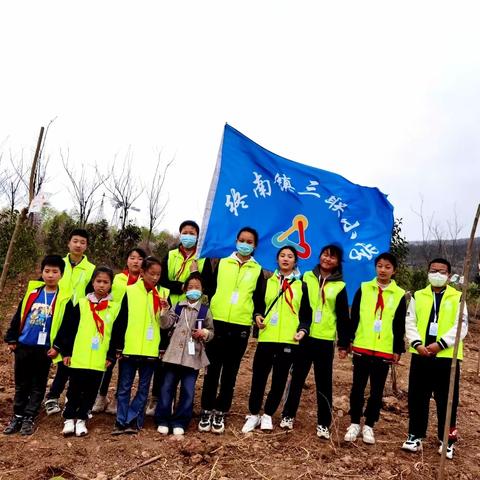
{"points": [[323, 432], [352, 432], [266, 422], [112, 406], [68, 427], [287, 423], [450, 450], [178, 431], [100, 404], [163, 429], [253, 421], [368, 436], [412, 444], [152, 406], [81, 428]]}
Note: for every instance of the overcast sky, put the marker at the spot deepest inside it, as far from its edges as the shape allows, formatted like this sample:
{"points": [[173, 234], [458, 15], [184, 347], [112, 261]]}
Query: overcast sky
{"points": [[384, 93]]}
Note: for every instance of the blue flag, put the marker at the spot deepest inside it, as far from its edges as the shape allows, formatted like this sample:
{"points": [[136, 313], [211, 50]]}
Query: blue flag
{"points": [[289, 203]]}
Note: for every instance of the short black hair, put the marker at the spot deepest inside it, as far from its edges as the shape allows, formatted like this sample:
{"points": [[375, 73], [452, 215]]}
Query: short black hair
{"points": [[189, 223], [149, 261], [103, 269], [292, 249], [192, 276], [79, 232], [443, 261], [249, 230], [389, 258], [53, 261], [334, 251], [139, 250]]}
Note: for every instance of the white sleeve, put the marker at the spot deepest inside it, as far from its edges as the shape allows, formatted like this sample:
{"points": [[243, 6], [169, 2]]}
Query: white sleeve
{"points": [[448, 339], [411, 331]]}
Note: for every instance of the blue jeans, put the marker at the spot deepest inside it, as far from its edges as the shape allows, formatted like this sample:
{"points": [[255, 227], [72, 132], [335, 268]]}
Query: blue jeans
{"points": [[133, 413], [173, 374]]}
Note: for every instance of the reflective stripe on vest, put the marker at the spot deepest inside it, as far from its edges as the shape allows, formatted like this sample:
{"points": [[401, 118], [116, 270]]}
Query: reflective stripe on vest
{"points": [[175, 260], [324, 325], [83, 355], [281, 322], [365, 336], [447, 315], [228, 306]]}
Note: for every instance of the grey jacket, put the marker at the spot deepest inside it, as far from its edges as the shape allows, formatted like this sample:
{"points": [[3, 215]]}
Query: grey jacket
{"points": [[177, 351]]}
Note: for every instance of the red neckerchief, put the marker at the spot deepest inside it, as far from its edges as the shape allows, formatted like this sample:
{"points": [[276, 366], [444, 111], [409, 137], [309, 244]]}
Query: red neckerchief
{"points": [[131, 279], [186, 257], [156, 298], [380, 304], [97, 307], [287, 288]]}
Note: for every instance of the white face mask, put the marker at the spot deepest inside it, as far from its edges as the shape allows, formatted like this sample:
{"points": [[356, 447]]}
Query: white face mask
{"points": [[437, 279]]}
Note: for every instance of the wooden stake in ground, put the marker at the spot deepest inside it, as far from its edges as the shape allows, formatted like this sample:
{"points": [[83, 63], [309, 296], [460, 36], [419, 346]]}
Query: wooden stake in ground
{"points": [[448, 416], [23, 214]]}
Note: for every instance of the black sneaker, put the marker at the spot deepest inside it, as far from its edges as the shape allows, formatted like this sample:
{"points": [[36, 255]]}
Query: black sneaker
{"points": [[132, 428], [205, 423], [218, 422], [28, 426], [14, 426], [118, 429]]}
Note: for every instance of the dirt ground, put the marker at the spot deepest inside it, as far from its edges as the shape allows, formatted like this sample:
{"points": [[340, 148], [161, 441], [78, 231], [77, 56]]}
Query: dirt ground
{"points": [[293, 455]]}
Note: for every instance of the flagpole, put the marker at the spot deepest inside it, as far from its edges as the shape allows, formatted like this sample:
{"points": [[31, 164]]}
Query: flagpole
{"points": [[453, 368]]}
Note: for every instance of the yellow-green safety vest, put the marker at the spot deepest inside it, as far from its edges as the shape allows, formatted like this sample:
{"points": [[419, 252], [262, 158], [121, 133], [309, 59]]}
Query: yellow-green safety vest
{"points": [[447, 316], [142, 336], [119, 286], [174, 263], [324, 316], [281, 323], [61, 301], [366, 337], [75, 279], [233, 302], [90, 348]]}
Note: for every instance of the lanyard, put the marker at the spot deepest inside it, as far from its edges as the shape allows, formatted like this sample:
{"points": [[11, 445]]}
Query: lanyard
{"points": [[47, 311]]}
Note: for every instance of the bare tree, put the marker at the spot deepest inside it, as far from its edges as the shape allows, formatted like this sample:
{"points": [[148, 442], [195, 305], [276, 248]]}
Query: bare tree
{"points": [[84, 187], [15, 179], [156, 208], [123, 189]]}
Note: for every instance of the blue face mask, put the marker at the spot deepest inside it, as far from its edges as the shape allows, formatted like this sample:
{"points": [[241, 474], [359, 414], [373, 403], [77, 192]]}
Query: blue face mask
{"points": [[244, 249], [187, 240], [193, 294]]}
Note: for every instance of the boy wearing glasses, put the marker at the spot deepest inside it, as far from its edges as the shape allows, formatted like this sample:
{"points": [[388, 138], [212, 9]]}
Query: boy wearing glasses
{"points": [[431, 326]]}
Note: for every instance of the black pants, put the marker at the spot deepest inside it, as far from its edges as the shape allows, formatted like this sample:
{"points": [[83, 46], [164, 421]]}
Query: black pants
{"points": [[31, 375], [225, 353], [320, 353], [81, 393], [158, 377], [59, 382], [270, 357], [106, 379], [376, 369], [431, 376]]}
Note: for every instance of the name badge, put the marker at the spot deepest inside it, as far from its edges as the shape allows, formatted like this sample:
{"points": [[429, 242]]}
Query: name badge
{"points": [[318, 316], [234, 299], [42, 338], [377, 326], [191, 347], [150, 333], [433, 330], [95, 343], [274, 319]]}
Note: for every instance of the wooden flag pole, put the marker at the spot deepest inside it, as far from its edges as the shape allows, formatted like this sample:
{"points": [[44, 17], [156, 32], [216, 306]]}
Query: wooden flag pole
{"points": [[448, 416], [23, 214]]}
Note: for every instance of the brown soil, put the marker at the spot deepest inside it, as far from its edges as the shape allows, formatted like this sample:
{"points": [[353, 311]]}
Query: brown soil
{"points": [[292, 455]]}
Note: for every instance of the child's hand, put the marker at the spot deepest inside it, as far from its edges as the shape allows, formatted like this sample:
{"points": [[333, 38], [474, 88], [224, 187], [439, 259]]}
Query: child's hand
{"points": [[199, 334], [259, 320], [108, 363], [299, 335], [396, 358], [67, 361], [194, 266], [433, 348], [164, 304], [11, 347], [342, 353], [52, 353], [423, 351]]}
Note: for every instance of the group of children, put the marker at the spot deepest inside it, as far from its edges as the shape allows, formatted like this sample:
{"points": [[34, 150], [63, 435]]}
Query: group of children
{"points": [[170, 320]]}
